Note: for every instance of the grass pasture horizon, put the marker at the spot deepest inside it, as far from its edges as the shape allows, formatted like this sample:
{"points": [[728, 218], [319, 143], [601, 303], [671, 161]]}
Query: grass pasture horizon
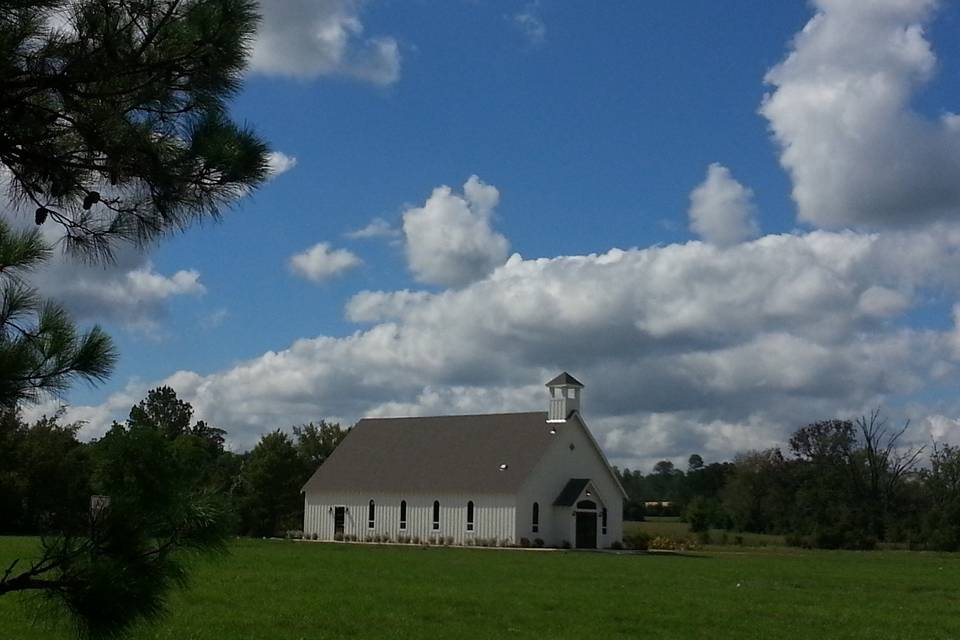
{"points": [[269, 589], [673, 527]]}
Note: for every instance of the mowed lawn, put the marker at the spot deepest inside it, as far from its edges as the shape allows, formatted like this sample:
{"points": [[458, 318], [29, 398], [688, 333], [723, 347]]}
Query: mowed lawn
{"points": [[276, 589]]}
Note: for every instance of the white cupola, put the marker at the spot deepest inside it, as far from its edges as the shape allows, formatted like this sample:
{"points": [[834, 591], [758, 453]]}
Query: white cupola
{"points": [[564, 397]]}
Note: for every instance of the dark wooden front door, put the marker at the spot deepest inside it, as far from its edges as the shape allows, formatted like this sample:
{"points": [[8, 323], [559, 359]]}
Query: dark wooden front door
{"points": [[338, 518], [586, 530]]}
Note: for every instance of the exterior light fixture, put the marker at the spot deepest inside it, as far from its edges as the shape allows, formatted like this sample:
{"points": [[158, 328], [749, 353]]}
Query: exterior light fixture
{"points": [[503, 467], [588, 492], [553, 431]]}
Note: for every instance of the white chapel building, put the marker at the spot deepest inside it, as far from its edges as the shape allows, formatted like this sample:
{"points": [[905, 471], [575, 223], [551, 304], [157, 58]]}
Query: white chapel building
{"points": [[502, 477]]}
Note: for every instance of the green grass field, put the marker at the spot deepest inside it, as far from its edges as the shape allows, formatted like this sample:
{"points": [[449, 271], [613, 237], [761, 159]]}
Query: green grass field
{"points": [[288, 590]]}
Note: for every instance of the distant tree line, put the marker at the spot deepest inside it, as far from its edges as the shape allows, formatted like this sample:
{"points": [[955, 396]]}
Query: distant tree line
{"points": [[842, 484], [154, 459]]}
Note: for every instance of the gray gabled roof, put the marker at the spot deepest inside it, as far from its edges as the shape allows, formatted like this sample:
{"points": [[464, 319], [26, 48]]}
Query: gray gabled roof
{"points": [[571, 491], [565, 379], [440, 454]]}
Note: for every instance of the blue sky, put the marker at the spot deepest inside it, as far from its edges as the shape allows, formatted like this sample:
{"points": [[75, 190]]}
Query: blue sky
{"points": [[591, 127]]}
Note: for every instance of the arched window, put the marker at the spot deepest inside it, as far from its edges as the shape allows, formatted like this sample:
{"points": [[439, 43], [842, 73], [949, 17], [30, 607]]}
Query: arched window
{"points": [[603, 524], [403, 514], [436, 514], [370, 516], [470, 516], [536, 517]]}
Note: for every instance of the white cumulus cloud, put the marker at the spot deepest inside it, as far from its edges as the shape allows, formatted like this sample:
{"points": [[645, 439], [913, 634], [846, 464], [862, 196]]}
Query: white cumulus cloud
{"points": [[321, 262], [311, 38], [721, 209], [279, 163], [450, 240], [377, 228], [840, 112]]}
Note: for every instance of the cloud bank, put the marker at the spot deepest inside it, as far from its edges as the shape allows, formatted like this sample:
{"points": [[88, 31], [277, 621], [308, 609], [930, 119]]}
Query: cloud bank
{"points": [[683, 348]]}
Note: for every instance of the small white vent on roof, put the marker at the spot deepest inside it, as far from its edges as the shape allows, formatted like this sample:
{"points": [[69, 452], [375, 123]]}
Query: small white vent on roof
{"points": [[503, 467]]}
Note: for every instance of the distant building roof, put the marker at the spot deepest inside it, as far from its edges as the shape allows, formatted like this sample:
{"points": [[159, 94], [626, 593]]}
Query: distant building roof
{"points": [[491, 454], [571, 491], [565, 378]]}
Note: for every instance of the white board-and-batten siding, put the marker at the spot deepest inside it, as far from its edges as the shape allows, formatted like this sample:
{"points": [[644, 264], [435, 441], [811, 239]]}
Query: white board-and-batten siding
{"points": [[494, 516]]}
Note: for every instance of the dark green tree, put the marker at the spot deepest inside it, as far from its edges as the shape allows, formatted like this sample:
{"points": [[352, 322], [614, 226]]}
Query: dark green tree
{"points": [[113, 120], [942, 484], [758, 495], [664, 468], [316, 441], [881, 465], [163, 411], [41, 351], [113, 125], [271, 479], [113, 566], [54, 473]]}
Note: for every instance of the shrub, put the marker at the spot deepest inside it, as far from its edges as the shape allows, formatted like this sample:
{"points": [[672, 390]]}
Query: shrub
{"points": [[293, 534], [639, 540], [525, 542], [314, 537], [616, 545], [470, 542], [565, 544], [538, 543], [448, 540], [703, 537], [416, 539], [663, 543], [337, 536]]}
